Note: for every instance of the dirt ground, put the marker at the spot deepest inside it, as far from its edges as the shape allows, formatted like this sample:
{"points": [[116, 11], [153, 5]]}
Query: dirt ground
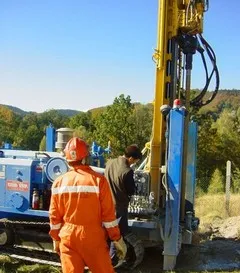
{"points": [[215, 249]]}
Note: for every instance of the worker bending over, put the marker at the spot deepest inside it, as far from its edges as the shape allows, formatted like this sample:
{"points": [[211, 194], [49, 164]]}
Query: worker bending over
{"points": [[120, 177], [81, 211]]}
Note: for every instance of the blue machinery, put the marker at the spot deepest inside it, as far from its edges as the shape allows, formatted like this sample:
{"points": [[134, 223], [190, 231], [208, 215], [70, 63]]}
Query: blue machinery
{"points": [[97, 152], [20, 173], [161, 212], [24, 172], [97, 155], [162, 225]]}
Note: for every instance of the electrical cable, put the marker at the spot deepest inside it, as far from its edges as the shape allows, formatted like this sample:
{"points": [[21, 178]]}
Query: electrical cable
{"points": [[165, 182]]}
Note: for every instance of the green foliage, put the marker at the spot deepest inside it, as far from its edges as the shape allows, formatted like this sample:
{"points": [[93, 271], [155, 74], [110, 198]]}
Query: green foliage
{"points": [[68, 112], [81, 119], [207, 156], [218, 137], [8, 125], [142, 119], [235, 183], [84, 134], [82, 124], [29, 134], [216, 183], [116, 124], [124, 123], [199, 191], [37, 269], [53, 117], [42, 146], [227, 128]]}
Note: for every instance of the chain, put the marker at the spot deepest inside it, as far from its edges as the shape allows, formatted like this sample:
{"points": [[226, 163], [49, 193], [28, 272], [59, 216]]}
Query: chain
{"points": [[27, 253], [7, 221]]}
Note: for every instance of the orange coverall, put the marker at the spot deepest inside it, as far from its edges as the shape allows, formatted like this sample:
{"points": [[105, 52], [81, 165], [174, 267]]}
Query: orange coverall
{"points": [[81, 211]]}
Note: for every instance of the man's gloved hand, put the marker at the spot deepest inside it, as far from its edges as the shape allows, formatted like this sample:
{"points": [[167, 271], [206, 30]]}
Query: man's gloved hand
{"points": [[121, 248], [56, 246]]}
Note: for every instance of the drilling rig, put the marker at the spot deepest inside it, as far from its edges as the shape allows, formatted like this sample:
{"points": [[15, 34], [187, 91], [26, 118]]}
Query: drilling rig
{"points": [[161, 211], [163, 206]]}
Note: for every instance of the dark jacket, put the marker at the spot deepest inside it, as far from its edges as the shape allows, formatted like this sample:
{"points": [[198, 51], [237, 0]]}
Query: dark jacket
{"points": [[120, 177]]}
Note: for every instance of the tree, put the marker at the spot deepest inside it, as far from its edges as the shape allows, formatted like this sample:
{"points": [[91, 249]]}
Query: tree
{"points": [[81, 119], [228, 128], [29, 134], [116, 124], [216, 183], [9, 123], [42, 145], [83, 126], [142, 119], [235, 185], [207, 150], [52, 117]]}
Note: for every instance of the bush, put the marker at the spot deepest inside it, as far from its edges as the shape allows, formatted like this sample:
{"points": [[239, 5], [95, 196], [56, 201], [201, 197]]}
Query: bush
{"points": [[216, 183]]}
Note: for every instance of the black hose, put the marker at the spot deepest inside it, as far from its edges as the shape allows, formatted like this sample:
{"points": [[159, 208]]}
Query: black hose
{"points": [[198, 100], [215, 71]]}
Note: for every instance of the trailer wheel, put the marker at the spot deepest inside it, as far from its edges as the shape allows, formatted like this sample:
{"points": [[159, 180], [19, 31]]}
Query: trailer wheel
{"points": [[135, 251], [6, 237]]}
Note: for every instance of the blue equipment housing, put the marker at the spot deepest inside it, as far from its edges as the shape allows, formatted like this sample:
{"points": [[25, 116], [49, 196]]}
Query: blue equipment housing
{"points": [[20, 173], [164, 227], [50, 138]]}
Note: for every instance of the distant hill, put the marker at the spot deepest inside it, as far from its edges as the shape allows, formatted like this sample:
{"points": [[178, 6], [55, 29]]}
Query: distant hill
{"points": [[18, 111], [225, 98], [68, 112]]}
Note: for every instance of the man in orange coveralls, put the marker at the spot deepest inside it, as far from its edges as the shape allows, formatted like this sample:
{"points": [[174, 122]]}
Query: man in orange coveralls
{"points": [[81, 210]]}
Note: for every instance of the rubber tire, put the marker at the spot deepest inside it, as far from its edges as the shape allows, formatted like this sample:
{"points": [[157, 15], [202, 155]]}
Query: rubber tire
{"points": [[135, 251]]}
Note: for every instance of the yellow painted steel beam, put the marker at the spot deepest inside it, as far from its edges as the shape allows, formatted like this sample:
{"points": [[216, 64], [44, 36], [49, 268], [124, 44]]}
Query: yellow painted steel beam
{"points": [[174, 17], [167, 28]]}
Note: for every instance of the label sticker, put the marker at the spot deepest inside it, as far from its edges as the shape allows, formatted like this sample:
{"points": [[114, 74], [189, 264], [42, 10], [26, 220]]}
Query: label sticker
{"points": [[13, 185]]}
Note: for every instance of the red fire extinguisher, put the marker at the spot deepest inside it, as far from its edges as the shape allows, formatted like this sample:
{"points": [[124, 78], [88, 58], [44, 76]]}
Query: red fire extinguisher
{"points": [[35, 199]]}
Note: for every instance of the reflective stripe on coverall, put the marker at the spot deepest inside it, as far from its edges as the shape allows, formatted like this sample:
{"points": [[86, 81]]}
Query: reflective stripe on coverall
{"points": [[81, 204]]}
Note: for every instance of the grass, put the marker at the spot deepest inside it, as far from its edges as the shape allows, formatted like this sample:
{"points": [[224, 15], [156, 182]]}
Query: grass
{"points": [[9, 265], [207, 207]]}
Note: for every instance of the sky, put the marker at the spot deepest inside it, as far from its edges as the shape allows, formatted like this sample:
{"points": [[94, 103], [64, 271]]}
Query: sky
{"points": [[81, 54]]}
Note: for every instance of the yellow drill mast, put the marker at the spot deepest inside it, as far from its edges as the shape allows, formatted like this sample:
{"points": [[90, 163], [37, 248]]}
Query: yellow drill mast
{"points": [[178, 23]]}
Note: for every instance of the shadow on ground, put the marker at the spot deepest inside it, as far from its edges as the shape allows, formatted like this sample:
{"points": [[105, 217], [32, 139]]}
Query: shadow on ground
{"points": [[216, 255]]}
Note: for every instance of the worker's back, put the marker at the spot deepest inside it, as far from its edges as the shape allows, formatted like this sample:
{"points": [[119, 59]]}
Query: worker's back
{"points": [[81, 213], [78, 196]]}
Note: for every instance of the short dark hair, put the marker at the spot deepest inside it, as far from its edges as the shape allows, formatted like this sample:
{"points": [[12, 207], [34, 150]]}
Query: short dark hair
{"points": [[133, 151]]}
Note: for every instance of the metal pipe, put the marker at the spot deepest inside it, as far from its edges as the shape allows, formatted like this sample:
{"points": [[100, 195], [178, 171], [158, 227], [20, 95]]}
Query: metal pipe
{"points": [[185, 143]]}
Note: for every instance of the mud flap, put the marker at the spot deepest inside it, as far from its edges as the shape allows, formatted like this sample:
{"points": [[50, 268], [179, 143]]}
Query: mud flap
{"points": [[135, 251]]}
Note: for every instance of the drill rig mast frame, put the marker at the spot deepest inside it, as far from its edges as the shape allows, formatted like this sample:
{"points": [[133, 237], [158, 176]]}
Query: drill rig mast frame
{"points": [[172, 158]]}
